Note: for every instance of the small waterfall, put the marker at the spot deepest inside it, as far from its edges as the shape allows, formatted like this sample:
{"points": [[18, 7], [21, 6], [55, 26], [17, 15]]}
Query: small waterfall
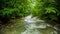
{"points": [[32, 24]]}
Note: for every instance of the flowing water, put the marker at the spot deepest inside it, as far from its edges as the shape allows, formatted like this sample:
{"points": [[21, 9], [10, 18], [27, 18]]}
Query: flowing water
{"points": [[29, 25], [34, 25]]}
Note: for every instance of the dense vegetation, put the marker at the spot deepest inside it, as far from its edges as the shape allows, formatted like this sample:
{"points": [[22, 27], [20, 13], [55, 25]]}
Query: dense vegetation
{"points": [[45, 9]]}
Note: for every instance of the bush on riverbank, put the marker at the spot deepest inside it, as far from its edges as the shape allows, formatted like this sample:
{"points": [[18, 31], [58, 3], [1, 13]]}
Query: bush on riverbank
{"points": [[45, 9]]}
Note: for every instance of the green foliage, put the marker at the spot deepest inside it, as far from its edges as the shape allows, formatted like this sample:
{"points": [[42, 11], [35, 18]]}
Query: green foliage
{"points": [[50, 10], [45, 9]]}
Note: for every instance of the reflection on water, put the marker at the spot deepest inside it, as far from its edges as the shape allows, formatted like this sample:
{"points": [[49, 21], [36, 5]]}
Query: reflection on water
{"points": [[29, 25]]}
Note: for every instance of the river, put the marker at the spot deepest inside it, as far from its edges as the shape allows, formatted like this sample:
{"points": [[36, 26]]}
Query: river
{"points": [[29, 25]]}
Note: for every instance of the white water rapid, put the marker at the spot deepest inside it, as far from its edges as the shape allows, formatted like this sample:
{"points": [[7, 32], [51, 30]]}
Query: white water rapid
{"points": [[34, 25]]}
